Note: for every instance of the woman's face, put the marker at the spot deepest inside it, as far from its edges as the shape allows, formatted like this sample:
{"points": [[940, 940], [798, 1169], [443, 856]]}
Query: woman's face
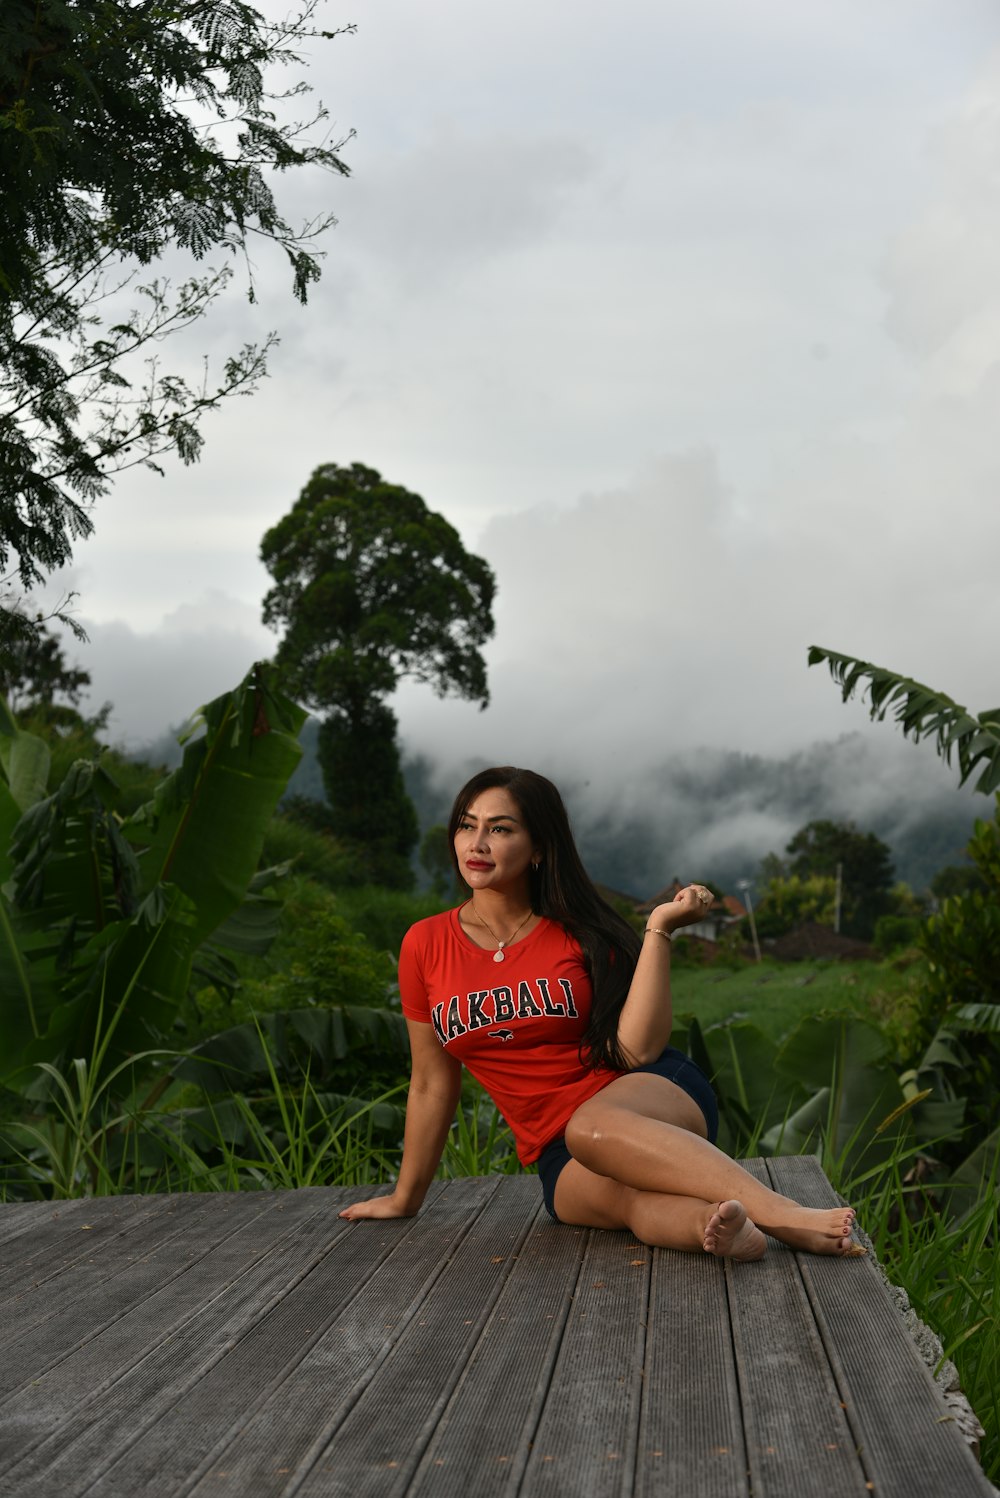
{"points": [[492, 845]]}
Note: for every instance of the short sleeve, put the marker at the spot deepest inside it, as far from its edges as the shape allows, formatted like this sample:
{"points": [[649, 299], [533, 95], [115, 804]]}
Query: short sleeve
{"points": [[412, 986]]}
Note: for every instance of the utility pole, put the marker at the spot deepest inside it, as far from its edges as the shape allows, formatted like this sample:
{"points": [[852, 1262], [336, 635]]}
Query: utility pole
{"points": [[744, 885]]}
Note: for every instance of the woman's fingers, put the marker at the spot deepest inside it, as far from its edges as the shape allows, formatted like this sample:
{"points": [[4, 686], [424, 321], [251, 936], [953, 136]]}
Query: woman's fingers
{"points": [[379, 1206]]}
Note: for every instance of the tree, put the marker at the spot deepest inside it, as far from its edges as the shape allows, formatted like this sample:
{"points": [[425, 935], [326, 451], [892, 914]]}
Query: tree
{"points": [[956, 879], [38, 682], [372, 586], [127, 129], [865, 867], [790, 900], [436, 861]]}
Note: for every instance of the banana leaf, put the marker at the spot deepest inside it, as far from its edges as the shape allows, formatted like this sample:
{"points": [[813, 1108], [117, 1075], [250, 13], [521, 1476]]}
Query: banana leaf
{"points": [[110, 917], [24, 761], [24, 769], [978, 1174], [844, 1062], [325, 1035], [204, 829]]}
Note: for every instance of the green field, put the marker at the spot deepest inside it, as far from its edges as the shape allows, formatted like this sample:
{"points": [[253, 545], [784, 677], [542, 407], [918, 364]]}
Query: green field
{"points": [[776, 995]]}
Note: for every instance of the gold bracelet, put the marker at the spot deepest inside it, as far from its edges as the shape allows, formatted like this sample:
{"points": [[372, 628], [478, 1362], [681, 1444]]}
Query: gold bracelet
{"points": [[658, 931]]}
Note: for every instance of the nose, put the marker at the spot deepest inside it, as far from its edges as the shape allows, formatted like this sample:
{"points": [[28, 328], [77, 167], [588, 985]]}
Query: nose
{"points": [[480, 838]]}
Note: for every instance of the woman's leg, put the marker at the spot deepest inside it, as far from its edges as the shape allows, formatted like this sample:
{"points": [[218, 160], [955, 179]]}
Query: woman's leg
{"points": [[663, 1221], [645, 1133]]}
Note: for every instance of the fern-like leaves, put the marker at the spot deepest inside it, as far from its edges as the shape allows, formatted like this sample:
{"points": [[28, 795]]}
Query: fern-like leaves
{"points": [[922, 712]]}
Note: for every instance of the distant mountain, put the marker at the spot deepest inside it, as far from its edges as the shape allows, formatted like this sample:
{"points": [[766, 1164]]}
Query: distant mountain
{"points": [[717, 813]]}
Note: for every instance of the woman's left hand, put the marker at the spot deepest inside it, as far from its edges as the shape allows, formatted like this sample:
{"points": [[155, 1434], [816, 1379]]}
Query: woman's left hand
{"points": [[689, 905]]}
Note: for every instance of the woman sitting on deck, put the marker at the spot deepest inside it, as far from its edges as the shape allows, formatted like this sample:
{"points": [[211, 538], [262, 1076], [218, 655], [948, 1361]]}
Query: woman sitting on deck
{"points": [[563, 1014]]}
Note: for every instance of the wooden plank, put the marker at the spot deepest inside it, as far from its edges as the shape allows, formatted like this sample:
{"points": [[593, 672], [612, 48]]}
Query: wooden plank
{"points": [[367, 1453], [56, 1243], [82, 1282], [258, 1345], [17, 1218], [277, 1447], [200, 1421], [691, 1426], [72, 1417], [799, 1444], [86, 1304], [482, 1440], [585, 1446], [23, 1224], [902, 1427]]}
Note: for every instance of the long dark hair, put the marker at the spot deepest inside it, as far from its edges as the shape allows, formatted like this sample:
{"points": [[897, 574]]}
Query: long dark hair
{"points": [[562, 890]]}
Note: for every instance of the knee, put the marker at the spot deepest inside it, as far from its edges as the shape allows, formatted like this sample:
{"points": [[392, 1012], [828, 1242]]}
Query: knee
{"points": [[585, 1133]]}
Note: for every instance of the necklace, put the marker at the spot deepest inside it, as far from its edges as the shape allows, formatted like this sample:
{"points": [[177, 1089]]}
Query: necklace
{"points": [[498, 955]]}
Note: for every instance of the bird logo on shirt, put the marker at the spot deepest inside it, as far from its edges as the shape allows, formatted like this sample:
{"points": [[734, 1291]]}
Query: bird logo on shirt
{"points": [[501, 1035]]}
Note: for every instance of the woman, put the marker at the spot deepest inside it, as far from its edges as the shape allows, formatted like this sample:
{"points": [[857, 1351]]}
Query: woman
{"points": [[563, 1014]]}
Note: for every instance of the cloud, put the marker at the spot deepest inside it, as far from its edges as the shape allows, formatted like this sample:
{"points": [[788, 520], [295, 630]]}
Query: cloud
{"points": [[458, 199], [688, 323], [940, 271], [157, 678]]}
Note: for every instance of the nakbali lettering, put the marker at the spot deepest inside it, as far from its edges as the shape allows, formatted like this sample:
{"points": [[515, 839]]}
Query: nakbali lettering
{"points": [[483, 1007]]}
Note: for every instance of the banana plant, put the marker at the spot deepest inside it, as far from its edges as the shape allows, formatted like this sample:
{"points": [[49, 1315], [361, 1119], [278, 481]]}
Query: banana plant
{"points": [[831, 1085], [101, 919], [961, 941], [921, 711]]}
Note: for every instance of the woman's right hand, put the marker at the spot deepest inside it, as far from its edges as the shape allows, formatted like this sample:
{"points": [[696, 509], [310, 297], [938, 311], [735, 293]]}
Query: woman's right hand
{"points": [[378, 1206], [435, 1080]]}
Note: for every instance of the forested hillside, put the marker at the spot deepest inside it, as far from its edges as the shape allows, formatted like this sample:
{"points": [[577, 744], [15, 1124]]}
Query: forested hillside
{"points": [[719, 816]]}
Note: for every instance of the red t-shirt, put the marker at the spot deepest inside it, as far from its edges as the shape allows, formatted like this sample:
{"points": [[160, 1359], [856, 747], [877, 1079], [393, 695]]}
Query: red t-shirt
{"points": [[515, 1024]]}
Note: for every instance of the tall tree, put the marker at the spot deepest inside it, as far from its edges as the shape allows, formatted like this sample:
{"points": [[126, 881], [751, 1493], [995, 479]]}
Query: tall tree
{"points": [[865, 864], [38, 682], [371, 586], [127, 127]]}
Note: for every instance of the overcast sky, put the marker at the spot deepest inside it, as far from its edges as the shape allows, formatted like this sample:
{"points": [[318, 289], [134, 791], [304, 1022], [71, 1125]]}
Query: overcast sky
{"points": [[686, 315]]}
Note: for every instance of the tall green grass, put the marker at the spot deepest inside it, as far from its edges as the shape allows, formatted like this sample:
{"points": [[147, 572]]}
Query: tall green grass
{"points": [[949, 1266]]}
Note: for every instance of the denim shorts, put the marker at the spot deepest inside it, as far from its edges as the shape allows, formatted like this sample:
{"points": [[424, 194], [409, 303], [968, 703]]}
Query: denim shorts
{"points": [[673, 1065]]}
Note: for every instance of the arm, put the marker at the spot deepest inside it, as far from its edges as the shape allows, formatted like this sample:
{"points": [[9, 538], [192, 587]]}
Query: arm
{"points": [[647, 1015], [435, 1080]]}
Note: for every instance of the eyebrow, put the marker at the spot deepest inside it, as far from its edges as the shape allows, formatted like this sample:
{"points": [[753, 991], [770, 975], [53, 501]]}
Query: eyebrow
{"points": [[501, 816]]}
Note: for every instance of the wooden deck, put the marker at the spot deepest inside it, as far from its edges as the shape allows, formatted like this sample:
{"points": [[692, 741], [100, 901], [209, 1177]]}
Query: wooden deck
{"points": [[257, 1345]]}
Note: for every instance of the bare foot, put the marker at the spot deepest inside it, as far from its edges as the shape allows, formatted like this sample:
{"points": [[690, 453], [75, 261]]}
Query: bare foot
{"points": [[818, 1230], [731, 1235]]}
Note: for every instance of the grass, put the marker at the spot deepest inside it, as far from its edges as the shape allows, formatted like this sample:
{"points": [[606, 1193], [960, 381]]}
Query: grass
{"points": [[950, 1270], [776, 995]]}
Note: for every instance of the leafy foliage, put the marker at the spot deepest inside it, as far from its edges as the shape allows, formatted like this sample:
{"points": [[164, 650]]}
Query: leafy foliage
{"points": [[866, 869], [787, 901], [961, 941], [372, 586], [359, 758], [325, 960], [922, 712], [124, 130], [101, 920], [36, 680], [312, 852], [335, 1043]]}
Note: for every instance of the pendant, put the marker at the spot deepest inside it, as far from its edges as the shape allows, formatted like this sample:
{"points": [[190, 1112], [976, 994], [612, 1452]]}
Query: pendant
{"points": [[498, 954]]}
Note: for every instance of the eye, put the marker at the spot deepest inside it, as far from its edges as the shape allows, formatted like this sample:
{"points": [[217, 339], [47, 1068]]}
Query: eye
{"points": [[499, 828]]}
